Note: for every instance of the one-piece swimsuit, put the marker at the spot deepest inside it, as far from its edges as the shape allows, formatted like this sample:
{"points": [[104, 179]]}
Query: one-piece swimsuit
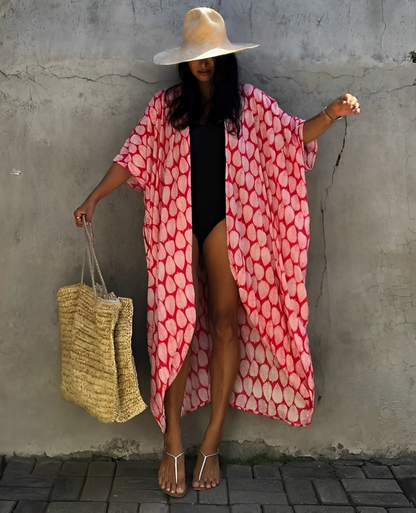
{"points": [[207, 178]]}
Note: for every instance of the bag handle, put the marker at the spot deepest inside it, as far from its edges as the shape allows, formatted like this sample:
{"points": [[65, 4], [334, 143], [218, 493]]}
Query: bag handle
{"points": [[92, 259], [86, 255]]}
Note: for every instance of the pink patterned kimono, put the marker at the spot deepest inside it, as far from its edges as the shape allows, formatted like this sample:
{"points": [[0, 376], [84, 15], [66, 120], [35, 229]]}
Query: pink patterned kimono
{"points": [[267, 220]]}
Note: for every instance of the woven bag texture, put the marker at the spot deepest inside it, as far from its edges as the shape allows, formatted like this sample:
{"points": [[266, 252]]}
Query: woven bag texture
{"points": [[89, 374], [130, 399]]}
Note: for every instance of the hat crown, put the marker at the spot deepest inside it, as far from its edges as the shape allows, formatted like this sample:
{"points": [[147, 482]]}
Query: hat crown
{"points": [[204, 26], [204, 37]]}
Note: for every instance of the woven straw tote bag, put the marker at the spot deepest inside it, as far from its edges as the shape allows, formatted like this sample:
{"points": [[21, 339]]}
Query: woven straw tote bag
{"points": [[97, 366]]}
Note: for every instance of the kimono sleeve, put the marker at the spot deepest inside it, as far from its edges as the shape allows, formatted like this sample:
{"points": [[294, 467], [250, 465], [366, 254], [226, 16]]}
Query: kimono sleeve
{"points": [[138, 155], [291, 128]]}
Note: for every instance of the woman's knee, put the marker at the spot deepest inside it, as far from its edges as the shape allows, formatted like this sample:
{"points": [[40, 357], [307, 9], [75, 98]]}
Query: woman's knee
{"points": [[223, 325]]}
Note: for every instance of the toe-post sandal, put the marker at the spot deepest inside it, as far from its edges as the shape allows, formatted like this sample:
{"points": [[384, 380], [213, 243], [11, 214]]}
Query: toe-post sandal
{"points": [[176, 473], [206, 456]]}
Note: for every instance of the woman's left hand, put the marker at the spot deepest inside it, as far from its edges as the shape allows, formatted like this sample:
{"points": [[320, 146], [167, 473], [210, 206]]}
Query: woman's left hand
{"points": [[343, 106]]}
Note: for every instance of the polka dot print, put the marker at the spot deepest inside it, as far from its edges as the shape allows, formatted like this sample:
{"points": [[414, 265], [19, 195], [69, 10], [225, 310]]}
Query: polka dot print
{"points": [[267, 221]]}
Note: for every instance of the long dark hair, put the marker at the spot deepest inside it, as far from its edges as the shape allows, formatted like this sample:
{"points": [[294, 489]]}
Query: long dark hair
{"points": [[185, 102]]}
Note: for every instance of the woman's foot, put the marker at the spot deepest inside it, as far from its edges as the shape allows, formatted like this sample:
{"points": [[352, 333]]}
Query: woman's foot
{"points": [[171, 475], [207, 468]]}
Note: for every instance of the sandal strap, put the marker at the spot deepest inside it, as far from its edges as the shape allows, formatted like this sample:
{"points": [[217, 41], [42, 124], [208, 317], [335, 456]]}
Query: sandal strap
{"points": [[176, 462], [206, 456]]}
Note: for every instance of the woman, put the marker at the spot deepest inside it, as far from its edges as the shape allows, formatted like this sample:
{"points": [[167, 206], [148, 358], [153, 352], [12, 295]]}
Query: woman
{"points": [[233, 329]]}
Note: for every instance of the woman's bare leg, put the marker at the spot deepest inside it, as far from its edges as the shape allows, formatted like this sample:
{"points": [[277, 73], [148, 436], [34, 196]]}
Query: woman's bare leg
{"points": [[223, 300], [173, 405]]}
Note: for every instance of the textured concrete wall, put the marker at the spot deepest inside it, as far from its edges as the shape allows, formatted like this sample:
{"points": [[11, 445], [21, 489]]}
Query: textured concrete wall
{"points": [[74, 79]]}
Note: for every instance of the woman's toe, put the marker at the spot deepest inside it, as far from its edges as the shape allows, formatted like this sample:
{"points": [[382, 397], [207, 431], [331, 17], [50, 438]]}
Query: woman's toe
{"points": [[198, 484]]}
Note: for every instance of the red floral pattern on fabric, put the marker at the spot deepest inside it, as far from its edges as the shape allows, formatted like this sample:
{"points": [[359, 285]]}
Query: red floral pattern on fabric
{"points": [[267, 220]]}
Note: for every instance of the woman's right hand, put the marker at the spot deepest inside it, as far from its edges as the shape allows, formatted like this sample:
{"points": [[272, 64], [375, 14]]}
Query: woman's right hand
{"points": [[85, 210], [115, 176]]}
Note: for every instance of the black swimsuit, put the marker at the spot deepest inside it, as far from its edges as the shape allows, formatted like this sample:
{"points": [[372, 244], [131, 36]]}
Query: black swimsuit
{"points": [[207, 178]]}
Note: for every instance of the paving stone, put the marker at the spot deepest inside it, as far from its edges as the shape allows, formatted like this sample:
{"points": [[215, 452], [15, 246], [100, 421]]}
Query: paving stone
{"points": [[136, 489], [26, 481], [255, 485], [217, 495], [74, 468], [19, 466], [315, 472], [371, 485], [125, 507], [67, 488], [275, 508], [401, 510], [2, 465], [349, 472], [76, 459], [136, 483], [324, 509], [239, 471], [369, 509], [267, 471], [300, 491], [385, 500], [408, 485], [31, 507], [354, 463], [97, 489], [403, 471], [17, 493], [47, 467], [101, 469], [371, 488], [308, 463], [374, 471], [250, 497], [153, 508], [140, 468], [77, 507], [331, 492], [198, 508], [7, 506], [246, 508], [404, 460]]}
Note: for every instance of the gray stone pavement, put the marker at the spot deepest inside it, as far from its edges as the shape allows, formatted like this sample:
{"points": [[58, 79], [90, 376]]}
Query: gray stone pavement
{"points": [[52, 485]]}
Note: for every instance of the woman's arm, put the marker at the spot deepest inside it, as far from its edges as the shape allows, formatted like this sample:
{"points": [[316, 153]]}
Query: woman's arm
{"points": [[114, 177], [342, 106]]}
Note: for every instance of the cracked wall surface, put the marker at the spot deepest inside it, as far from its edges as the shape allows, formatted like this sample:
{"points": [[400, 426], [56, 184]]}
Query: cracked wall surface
{"points": [[74, 79]]}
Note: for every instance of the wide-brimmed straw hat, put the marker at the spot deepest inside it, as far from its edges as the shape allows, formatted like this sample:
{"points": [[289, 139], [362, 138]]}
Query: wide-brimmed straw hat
{"points": [[204, 36]]}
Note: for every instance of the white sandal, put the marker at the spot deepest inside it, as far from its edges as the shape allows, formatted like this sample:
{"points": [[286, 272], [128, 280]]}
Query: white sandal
{"points": [[176, 473], [206, 456]]}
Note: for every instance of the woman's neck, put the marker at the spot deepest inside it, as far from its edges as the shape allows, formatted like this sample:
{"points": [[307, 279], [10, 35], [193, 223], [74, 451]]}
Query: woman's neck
{"points": [[207, 91]]}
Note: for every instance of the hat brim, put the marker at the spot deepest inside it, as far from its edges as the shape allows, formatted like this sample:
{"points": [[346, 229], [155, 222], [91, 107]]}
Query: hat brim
{"points": [[181, 54]]}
